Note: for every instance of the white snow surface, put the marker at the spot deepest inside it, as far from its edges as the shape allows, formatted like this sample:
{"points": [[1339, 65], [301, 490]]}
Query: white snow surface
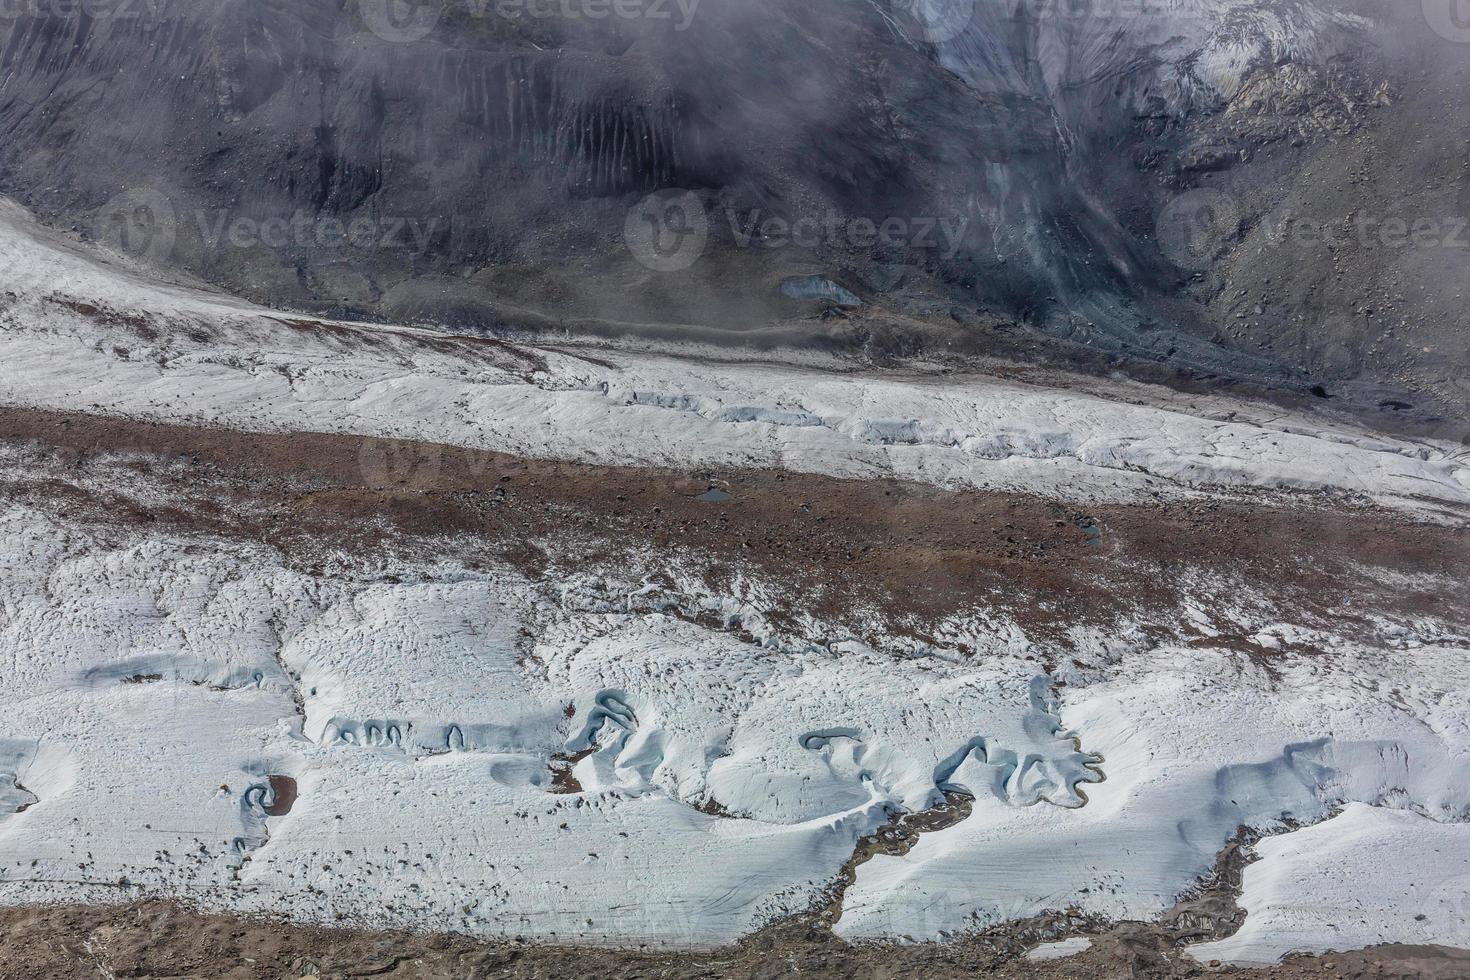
{"points": [[190, 357], [148, 697], [1369, 875], [145, 674], [1196, 744]]}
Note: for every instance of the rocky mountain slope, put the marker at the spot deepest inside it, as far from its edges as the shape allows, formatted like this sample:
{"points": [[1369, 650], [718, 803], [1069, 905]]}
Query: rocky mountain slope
{"points": [[1111, 185]]}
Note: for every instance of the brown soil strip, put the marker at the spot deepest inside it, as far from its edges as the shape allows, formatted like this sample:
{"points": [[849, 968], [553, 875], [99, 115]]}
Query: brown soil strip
{"points": [[841, 549], [155, 939]]}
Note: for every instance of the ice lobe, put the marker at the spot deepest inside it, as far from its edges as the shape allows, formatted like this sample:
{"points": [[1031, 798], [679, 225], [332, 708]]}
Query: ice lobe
{"points": [[788, 738], [1369, 875], [1189, 759], [15, 756]]}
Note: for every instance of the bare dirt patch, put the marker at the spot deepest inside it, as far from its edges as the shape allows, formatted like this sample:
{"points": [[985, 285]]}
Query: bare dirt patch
{"points": [[844, 550], [156, 939]]}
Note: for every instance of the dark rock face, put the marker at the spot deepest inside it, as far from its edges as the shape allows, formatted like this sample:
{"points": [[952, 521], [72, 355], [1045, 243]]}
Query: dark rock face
{"points": [[1087, 181]]}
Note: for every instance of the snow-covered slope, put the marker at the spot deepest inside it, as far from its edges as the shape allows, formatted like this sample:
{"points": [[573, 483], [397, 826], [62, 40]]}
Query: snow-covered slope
{"points": [[1195, 747], [1367, 876], [423, 754], [388, 739], [472, 750], [79, 336]]}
